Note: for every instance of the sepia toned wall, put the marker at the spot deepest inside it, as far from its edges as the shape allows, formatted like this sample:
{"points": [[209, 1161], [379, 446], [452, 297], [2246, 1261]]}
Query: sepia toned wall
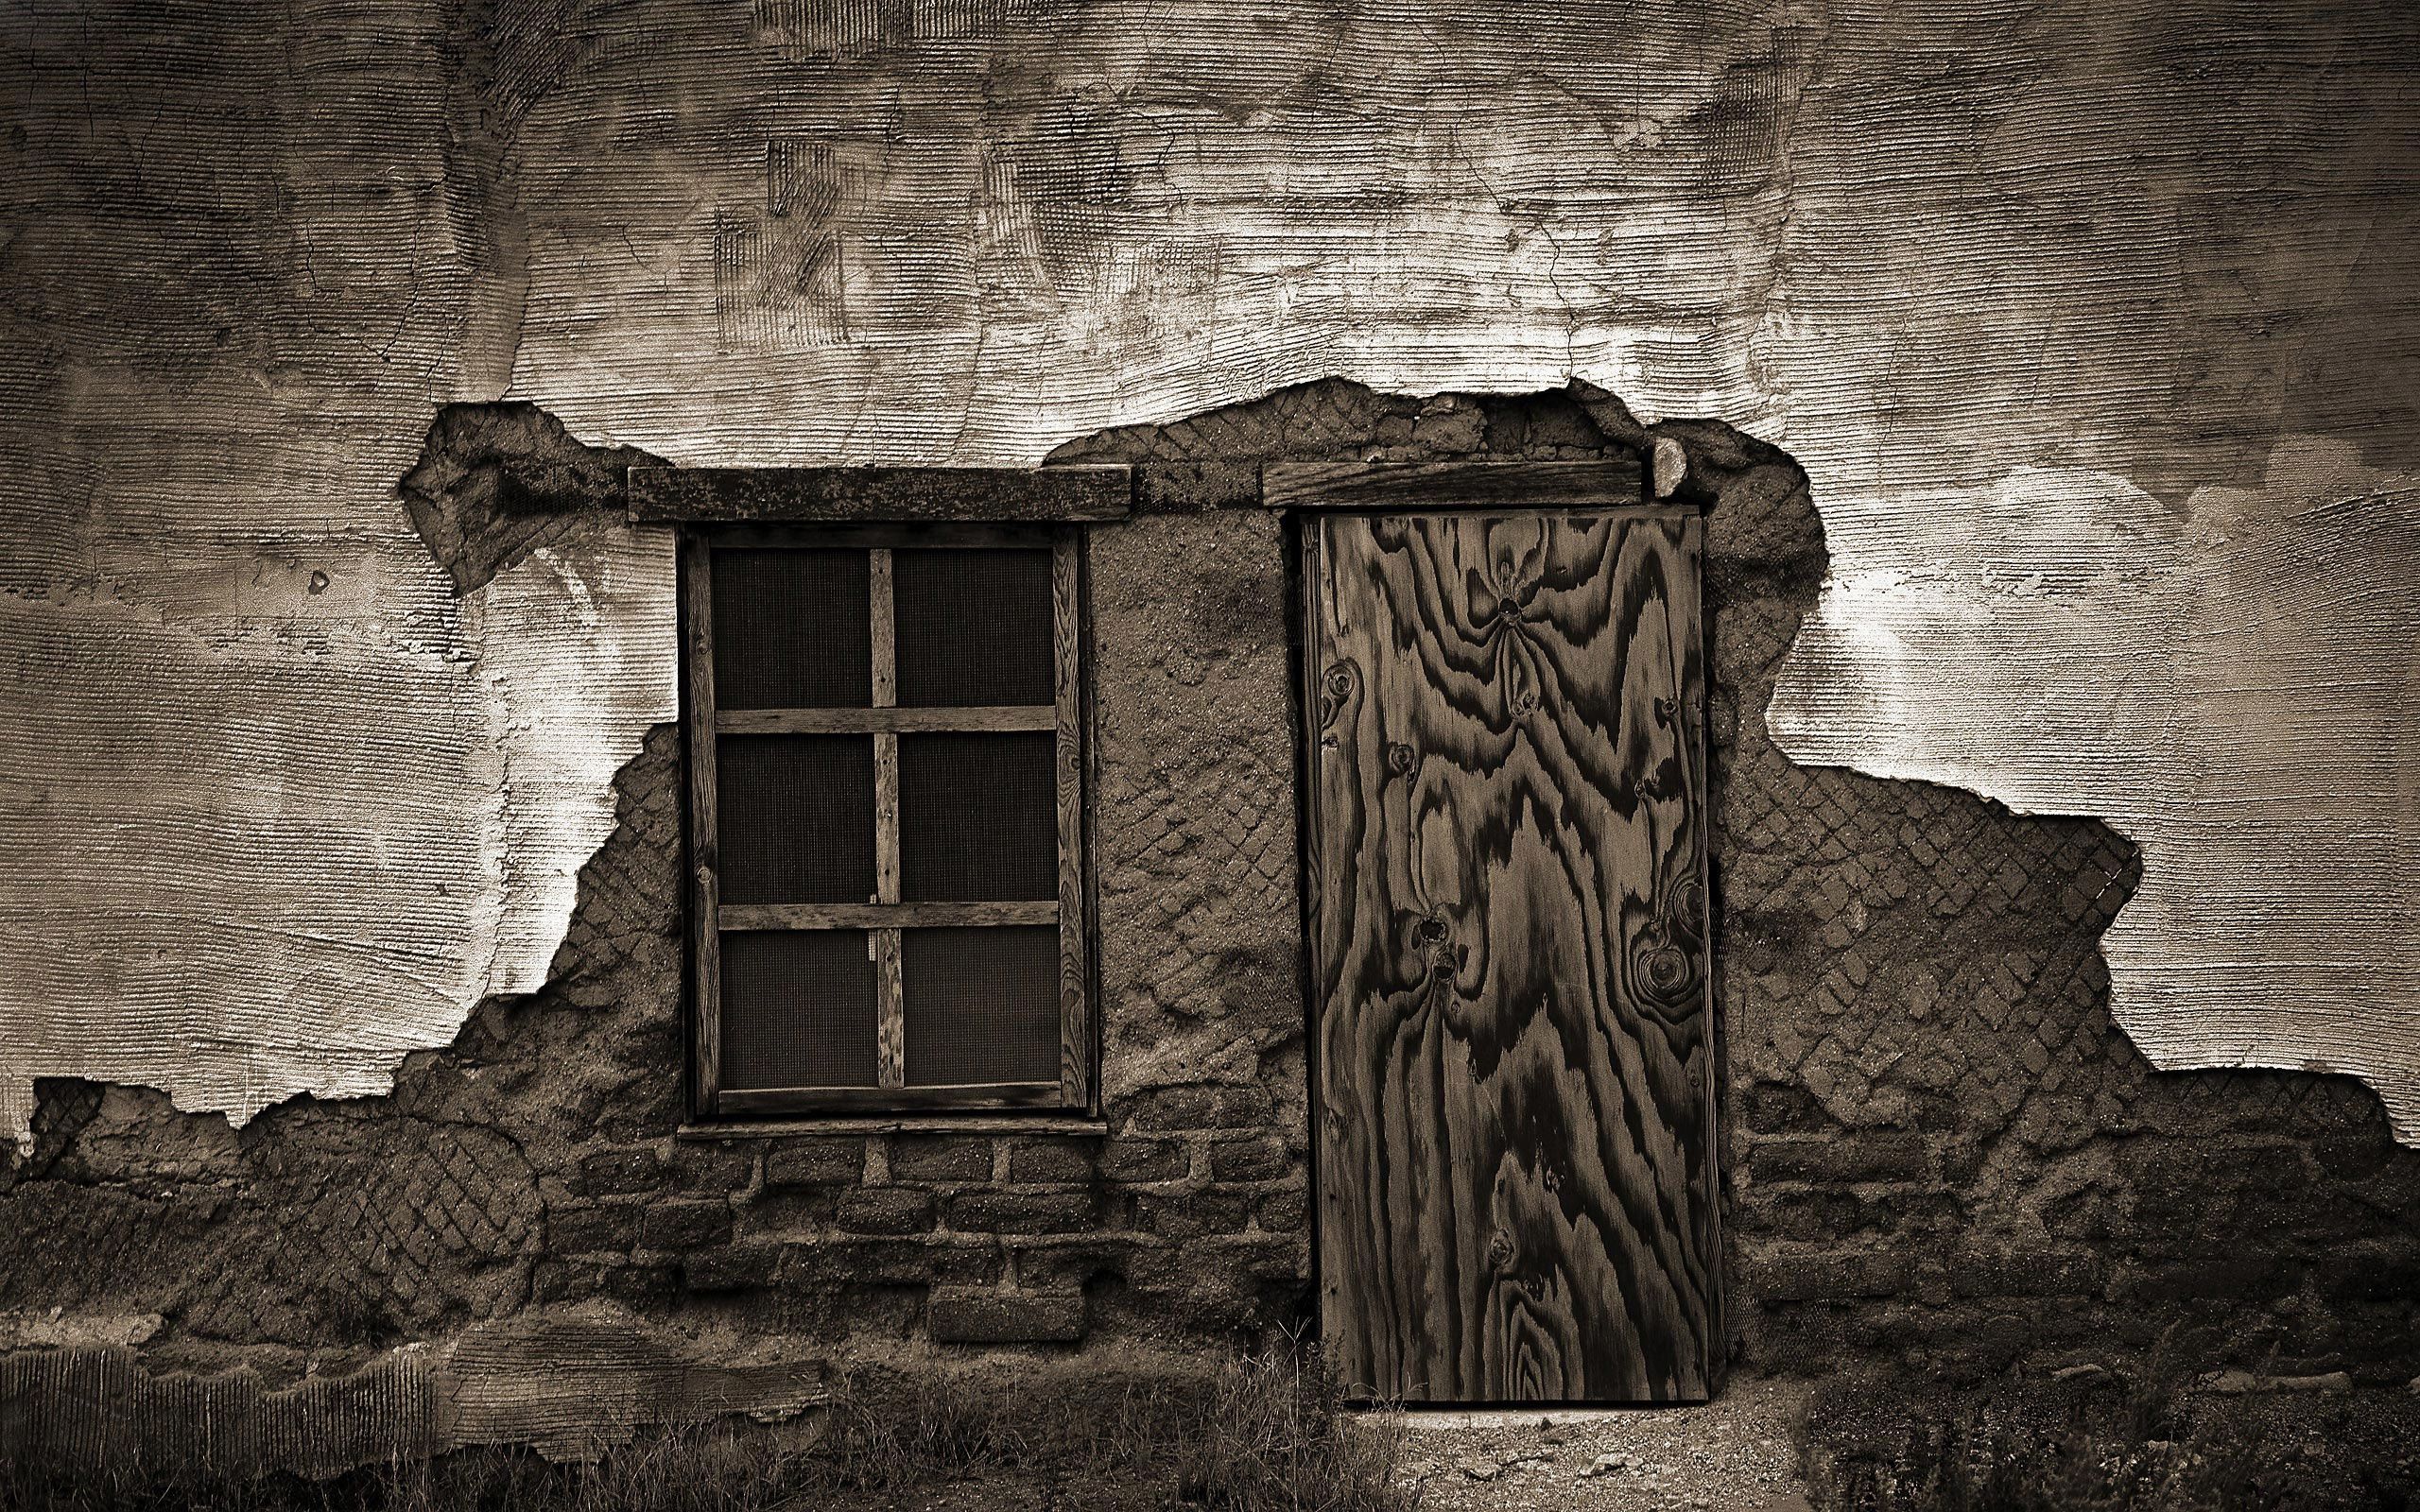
{"points": [[1936, 1148], [2093, 326]]}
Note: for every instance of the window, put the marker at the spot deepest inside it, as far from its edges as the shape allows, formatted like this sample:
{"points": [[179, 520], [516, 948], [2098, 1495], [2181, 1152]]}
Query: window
{"points": [[886, 818]]}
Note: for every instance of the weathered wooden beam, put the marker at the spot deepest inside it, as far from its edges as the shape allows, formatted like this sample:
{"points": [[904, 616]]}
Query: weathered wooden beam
{"points": [[773, 495], [1616, 481]]}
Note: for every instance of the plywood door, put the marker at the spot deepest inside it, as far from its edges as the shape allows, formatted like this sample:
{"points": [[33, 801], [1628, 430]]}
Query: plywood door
{"points": [[1506, 875]]}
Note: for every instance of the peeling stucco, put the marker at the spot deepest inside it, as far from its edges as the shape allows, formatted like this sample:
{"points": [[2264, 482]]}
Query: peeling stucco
{"points": [[281, 858], [2235, 686], [2127, 289]]}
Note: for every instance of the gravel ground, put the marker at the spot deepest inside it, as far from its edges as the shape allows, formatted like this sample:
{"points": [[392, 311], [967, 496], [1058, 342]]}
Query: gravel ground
{"points": [[1738, 1454]]}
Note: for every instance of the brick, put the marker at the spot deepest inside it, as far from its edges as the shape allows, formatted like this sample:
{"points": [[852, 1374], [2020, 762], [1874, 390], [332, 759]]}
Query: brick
{"points": [[940, 1157], [739, 1268], [590, 1229], [1071, 1264], [1831, 1215], [797, 1214], [641, 1286], [2022, 1272], [1128, 1160], [2219, 1274], [1780, 1108], [717, 1169], [1827, 1276], [883, 1311], [856, 1261], [1053, 1160], [1023, 1213], [1203, 1105], [1189, 1215], [816, 1162], [684, 1224], [958, 1315], [557, 1280], [966, 1264], [1883, 1156], [1283, 1212], [1258, 1160], [620, 1172], [884, 1211]]}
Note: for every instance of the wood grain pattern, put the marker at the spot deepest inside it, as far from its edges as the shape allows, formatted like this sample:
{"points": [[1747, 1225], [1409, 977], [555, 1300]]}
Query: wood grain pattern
{"points": [[891, 1022], [697, 723], [1505, 863], [1616, 481], [817, 494], [1075, 975]]}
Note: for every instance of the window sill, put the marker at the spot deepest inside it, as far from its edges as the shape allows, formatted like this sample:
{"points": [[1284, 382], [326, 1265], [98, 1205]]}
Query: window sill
{"points": [[893, 1123]]}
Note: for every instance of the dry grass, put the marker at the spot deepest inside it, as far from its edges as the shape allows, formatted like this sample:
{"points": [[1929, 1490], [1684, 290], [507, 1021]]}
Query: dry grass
{"points": [[2113, 1443], [1264, 1435]]}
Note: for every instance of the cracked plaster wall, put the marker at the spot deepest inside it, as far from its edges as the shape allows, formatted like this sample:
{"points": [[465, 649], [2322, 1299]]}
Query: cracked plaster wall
{"points": [[2094, 326]]}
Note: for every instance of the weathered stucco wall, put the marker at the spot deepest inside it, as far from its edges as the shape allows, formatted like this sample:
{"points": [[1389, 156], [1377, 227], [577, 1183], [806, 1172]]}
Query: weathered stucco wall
{"points": [[291, 807], [1938, 1147]]}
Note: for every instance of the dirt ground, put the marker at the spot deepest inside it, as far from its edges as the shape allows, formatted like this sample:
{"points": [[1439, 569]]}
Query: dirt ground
{"points": [[1736, 1456]]}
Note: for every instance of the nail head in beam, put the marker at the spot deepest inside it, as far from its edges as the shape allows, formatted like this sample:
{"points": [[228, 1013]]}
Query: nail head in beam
{"points": [[1670, 466], [775, 495]]}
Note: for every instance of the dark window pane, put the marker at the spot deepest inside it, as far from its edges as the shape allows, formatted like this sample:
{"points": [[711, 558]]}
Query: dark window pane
{"points": [[973, 627], [796, 818], [797, 1009], [790, 630], [977, 816], [982, 1004]]}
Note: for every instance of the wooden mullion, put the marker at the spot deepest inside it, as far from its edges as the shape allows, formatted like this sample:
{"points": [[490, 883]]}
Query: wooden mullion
{"points": [[891, 1023], [972, 719], [891, 1033], [705, 944], [976, 915], [1074, 1019], [1040, 1096]]}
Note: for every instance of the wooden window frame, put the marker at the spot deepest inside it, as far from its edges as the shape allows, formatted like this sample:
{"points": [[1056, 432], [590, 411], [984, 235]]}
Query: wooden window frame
{"points": [[884, 919]]}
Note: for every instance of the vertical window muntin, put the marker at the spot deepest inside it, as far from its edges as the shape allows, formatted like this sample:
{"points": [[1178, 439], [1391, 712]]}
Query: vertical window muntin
{"points": [[917, 884]]}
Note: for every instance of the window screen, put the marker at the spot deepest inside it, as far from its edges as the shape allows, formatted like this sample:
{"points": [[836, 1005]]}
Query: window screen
{"points": [[983, 1005], [974, 626], [791, 630], [889, 905], [796, 820], [797, 1009], [978, 816]]}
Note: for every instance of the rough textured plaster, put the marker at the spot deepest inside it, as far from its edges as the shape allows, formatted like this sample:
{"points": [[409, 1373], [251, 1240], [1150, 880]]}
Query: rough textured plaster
{"points": [[296, 857], [1949, 256], [2256, 730]]}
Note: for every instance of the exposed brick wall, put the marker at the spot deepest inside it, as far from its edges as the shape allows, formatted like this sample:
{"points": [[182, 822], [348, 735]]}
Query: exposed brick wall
{"points": [[1937, 1144]]}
